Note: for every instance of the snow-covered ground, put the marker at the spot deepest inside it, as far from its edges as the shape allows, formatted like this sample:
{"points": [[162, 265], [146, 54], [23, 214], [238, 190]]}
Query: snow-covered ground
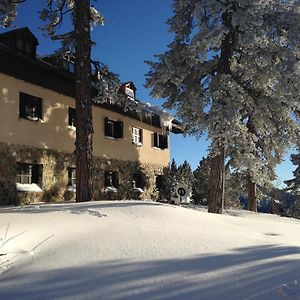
{"points": [[145, 250]]}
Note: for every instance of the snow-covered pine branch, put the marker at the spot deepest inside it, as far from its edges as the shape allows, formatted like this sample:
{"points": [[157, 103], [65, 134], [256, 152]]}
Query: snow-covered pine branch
{"points": [[230, 59]]}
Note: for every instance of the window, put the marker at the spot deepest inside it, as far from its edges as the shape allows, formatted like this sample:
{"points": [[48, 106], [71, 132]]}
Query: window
{"points": [[138, 180], [30, 107], [129, 92], [29, 173], [24, 46], [111, 179], [160, 141], [72, 176], [137, 136], [113, 129], [72, 116], [20, 44], [69, 66]]}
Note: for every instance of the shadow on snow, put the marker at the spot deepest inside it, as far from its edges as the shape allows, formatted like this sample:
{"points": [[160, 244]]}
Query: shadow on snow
{"points": [[245, 273]]}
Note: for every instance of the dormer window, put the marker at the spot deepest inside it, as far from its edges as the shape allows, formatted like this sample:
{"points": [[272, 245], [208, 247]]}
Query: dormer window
{"points": [[24, 46], [69, 66], [128, 89], [129, 92], [21, 39]]}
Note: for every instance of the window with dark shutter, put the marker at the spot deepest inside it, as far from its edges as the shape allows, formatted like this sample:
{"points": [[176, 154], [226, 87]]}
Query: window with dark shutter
{"points": [[113, 129], [29, 173], [30, 107], [160, 141], [72, 116], [118, 130], [108, 128], [163, 141], [137, 180], [155, 140]]}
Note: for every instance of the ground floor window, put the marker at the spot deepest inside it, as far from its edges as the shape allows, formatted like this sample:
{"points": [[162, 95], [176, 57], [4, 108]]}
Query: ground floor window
{"points": [[29, 173], [111, 178], [72, 176], [139, 180]]}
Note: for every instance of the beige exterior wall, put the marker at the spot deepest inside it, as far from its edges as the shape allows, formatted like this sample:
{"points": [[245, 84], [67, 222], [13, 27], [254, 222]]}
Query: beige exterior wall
{"points": [[54, 133]]}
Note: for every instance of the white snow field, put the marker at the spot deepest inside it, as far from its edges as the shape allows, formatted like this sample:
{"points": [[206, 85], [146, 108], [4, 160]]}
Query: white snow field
{"points": [[145, 250]]}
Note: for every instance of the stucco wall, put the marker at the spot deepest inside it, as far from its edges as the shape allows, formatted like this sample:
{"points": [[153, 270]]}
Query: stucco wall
{"points": [[55, 134]]}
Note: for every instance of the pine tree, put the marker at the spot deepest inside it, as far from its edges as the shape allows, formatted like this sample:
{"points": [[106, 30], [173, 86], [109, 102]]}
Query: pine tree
{"points": [[173, 173], [236, 185], [185, 175], [233, 71], [168, 180], [293, 185], [202, 182], [83, 16]]}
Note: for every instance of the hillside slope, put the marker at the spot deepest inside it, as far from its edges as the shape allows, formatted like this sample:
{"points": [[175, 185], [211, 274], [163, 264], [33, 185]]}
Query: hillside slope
{"points": [[145, 250]]}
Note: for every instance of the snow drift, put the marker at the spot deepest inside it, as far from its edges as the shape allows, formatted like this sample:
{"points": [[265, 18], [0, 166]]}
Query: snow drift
{"points": [[145, 250]]}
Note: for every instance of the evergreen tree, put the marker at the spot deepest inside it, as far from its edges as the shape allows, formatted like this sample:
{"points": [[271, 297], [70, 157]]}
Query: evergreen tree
{"points": [[173, 172], [293, 185], [168, 180], [185, 175], [233, 70], [236, 185], [202, 182]]}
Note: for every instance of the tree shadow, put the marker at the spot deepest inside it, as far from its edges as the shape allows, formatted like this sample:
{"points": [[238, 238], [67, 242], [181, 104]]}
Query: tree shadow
{"points": [[244, 273]]}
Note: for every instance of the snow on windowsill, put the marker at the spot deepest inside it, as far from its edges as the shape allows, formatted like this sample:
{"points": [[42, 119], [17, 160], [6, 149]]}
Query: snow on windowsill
{"points": [[72, 188], [137, 144], [110, 138], [110, 189], [33, 187], [138, 190], [35, 119]]}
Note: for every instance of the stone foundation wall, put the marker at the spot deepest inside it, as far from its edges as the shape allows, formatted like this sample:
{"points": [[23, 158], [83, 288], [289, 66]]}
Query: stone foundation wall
{"points": [[55, 176]]}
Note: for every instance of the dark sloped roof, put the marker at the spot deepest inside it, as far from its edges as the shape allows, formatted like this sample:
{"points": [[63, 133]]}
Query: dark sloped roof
{"points": [[37, 71], [24, 32]]}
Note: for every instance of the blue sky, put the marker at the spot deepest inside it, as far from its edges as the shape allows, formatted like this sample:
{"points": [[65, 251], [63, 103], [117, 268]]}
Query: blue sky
{"points": [[135, 30]]}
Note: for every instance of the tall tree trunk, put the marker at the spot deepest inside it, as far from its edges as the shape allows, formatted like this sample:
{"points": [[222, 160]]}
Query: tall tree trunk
{"points": [[251, 189], [216, 196], [84, 122]]}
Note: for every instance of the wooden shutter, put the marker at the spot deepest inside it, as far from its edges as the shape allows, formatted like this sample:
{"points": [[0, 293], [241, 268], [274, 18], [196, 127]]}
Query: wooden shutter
{"points": [[163, 141], [155, 140], [137, 177], [118, 130], [22, 105], [35, 174], [115, 179], [72, 116], [141, 136], [107, 130], [38, 106]]}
